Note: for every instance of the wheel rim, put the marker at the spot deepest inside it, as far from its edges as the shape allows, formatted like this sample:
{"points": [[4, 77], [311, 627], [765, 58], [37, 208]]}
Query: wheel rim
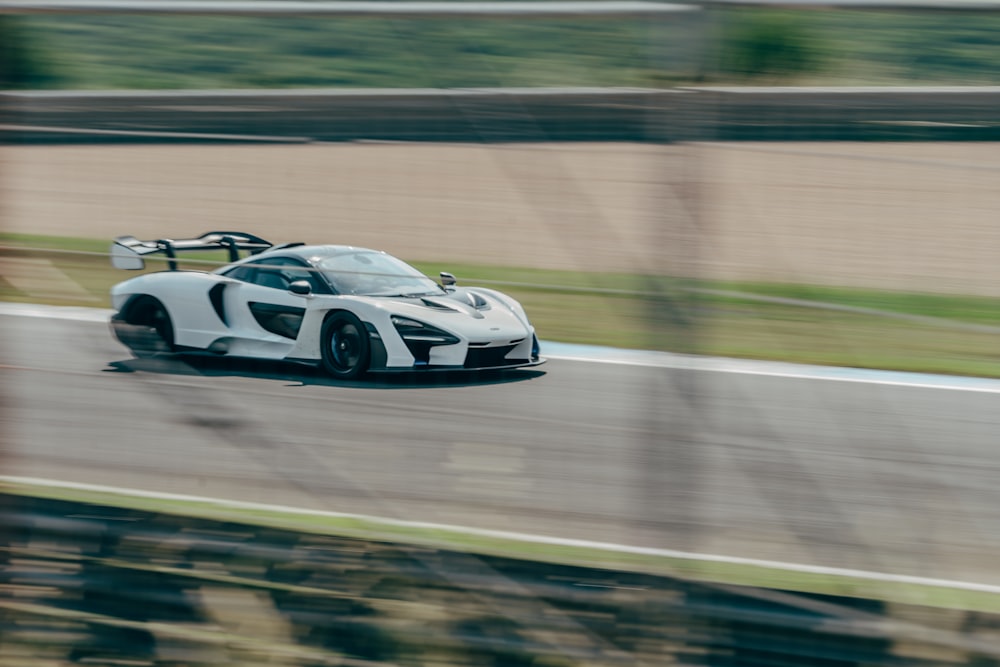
{"points": [[160, 324], [162, 334], [345, 347]]}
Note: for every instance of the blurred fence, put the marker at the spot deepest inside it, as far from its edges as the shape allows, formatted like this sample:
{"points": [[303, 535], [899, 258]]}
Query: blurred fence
{"points": [[105, 585], [498, 115]]}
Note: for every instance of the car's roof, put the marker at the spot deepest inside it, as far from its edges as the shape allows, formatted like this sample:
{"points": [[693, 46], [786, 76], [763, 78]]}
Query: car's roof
{"points": [[313, 253]]}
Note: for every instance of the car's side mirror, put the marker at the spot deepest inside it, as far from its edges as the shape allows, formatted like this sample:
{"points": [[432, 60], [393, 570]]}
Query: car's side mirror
{"points": [[447, 279], [123, 257], [300, 287]]}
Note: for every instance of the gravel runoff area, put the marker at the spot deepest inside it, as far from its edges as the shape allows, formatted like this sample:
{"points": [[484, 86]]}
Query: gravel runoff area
{"points": [[908, 216]]}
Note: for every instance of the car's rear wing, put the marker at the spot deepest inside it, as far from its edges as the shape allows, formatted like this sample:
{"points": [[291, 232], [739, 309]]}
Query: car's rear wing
{"points": [[127, 251]]}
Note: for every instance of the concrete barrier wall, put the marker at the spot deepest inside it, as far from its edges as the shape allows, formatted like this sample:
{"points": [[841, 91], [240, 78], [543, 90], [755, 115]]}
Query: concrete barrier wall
{"points": [[501, 115]]}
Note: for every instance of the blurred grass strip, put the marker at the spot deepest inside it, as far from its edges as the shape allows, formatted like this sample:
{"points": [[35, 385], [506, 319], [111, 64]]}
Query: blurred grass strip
{"points": [[610, 309], [790, 579]]}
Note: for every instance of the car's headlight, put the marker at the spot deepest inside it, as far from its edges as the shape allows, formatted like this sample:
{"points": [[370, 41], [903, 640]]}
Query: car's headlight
{"points": [[420, 337], [420, 332]]}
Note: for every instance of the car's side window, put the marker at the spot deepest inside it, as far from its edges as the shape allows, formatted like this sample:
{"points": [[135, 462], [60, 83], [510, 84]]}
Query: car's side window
{"points": [[242, 272], [271, 274], [279, 273], [297, 272]]}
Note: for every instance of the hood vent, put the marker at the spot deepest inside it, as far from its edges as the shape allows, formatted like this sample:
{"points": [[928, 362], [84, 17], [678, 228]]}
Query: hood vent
{"points": [[439, 305], [466, 303]]}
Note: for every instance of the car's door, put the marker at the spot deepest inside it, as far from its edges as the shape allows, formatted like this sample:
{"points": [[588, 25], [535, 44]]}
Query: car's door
{"points": [[263, 316]]}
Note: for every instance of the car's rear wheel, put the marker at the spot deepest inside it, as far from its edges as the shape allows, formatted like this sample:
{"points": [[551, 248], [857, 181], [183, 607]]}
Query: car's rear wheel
{"points": [[156, 334], [346, 351]]}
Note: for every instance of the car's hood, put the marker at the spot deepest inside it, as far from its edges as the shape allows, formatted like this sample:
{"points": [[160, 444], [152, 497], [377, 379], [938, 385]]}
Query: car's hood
{"points": [[478, 315]]}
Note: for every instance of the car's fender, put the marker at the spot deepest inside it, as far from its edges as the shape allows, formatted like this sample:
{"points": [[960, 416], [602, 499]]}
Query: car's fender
{"points": [[185, 296], [372, 313]]}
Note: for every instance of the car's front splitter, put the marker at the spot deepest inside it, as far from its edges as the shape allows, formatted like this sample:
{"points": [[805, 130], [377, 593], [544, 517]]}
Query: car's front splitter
{"points": [[427, 368]]}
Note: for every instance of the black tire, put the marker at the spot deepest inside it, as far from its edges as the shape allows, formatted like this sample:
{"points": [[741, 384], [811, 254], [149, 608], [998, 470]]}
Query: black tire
{"points": [[159, 336], [346, 351]]}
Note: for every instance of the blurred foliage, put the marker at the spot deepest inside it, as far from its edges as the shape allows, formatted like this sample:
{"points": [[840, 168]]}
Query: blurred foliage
{"points": [[129, 52], [767, 44], [22, 60], [733, 45]]}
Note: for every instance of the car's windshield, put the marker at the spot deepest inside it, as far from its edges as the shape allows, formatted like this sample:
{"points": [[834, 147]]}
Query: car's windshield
{"points": [[369, 273]]}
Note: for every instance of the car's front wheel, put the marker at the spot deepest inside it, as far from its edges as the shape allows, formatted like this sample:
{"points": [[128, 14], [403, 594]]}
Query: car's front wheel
{"points": [[346, 349]]}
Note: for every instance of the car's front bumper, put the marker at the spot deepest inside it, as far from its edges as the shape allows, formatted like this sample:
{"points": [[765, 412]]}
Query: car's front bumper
{"points": [[462, 356]]}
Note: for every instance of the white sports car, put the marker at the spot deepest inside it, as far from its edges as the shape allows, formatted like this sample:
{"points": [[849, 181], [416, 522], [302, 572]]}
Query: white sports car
{"points": [[349, 310]]}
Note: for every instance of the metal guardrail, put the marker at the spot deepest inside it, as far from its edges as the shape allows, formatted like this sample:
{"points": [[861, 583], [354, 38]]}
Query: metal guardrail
{"points": [[323, 115], [501, 115], [90, 583], [876, 5]]}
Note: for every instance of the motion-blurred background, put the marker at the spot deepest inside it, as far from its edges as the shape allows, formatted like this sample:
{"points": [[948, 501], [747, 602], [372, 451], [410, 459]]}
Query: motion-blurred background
{"points": [[728, 184]]}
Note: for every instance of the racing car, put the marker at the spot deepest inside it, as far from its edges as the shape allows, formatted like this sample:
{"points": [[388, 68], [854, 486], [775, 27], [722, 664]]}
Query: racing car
{"points": [[349, 310]]}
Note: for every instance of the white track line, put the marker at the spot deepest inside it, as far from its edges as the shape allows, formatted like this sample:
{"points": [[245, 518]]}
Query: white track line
{"points": [[649, 359], [777, 369], [77, 313], [514, 536]]}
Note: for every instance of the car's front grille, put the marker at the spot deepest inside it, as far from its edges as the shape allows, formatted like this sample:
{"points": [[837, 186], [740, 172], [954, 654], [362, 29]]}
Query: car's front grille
{"points": [[486, 357]]}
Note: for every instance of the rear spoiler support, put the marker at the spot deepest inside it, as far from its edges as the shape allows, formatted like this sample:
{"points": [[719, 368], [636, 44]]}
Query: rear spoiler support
{"points": [[127, 251], [168, 250]]}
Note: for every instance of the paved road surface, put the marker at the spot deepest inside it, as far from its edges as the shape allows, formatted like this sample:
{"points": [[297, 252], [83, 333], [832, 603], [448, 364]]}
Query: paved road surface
{"points": [[880, 477]]}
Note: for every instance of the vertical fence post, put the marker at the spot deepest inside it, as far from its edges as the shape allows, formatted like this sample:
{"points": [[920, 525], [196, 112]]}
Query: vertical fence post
{"points": [[669, 465]]}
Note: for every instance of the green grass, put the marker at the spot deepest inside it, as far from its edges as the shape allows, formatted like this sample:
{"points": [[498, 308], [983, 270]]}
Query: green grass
{"points": [[734, 45], [631, 311], [749, 574]]}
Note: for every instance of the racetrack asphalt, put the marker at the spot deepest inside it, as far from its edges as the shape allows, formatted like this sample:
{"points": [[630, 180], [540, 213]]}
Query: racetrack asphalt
{"points": [[885, 476]]}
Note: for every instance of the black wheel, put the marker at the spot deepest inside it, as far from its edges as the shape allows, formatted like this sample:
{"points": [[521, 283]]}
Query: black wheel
{"points": [[345, 347], [155, 331]]}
